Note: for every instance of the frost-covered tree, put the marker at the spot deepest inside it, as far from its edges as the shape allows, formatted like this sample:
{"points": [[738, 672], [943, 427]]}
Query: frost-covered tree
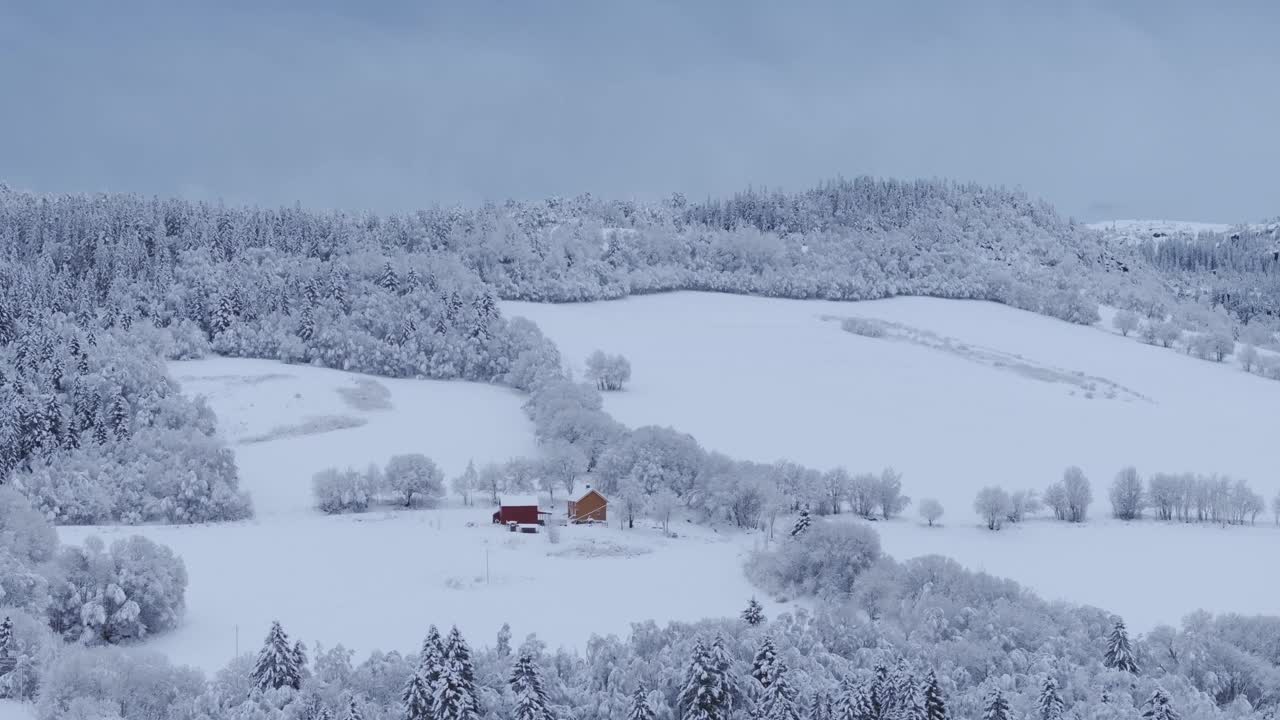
{"points": [[997, 706], [503, 647], [1077, 494], [853, 702], [821, 707], [1158, 707], [935, 706], [1127, 496], [129, 591], [465, 484], [353, 710], [1023, 503], [1049, 705], [1248, 357], [608, 372], [993, 505], [1119, 655], [802, 523], [1125, 321], [462, 681], [706, 693], [764, 662], [6, 638], [641, 708], [276, 666], [417, 700], [754, 614], [526, 685], [930, 510], [778, 699], [826, 561], [414, 478]]}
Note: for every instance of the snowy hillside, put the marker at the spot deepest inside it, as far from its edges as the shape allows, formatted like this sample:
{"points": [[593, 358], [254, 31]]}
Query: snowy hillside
{"points": [[361, 580], [958, 396]]}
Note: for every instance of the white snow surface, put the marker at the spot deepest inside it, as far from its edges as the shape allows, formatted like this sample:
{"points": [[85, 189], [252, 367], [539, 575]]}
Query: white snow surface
{"points": [[987, 398], [377, 580], [14, 710]]}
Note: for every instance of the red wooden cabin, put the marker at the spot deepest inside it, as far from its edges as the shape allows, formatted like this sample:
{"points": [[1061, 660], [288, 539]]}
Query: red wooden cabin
{"points": [[519, 509]]}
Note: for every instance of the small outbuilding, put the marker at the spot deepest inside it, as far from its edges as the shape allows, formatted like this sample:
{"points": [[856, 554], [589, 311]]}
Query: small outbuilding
{"points": [[521, 510], [588, 506]]}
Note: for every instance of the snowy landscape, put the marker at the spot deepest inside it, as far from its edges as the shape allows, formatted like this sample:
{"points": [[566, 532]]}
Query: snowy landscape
{"points": [[646, 362]]}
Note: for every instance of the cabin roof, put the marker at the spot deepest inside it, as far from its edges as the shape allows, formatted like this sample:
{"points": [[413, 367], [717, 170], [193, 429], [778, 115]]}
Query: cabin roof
{"points": [[520, 501], [580, 496]]}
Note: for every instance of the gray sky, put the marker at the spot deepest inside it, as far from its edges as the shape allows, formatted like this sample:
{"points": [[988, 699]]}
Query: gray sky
{"points": [[1108, 109]]}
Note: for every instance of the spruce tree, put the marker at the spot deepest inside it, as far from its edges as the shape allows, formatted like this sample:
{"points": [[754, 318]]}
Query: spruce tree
{"points": [[705, 694], [453, 699], [997, 706], [504, 639], [1049, 706], [457, 654], [120, 417], [911, 705], [1119, 654], [388, 279], [1157, 707], [802, 523], [299, 662], [880, 696], [416, 698], [6, 638], [526, 685], [754, 614], [779, 699], [353, 711], [306, 326], [764, 663], [935, 707], [640, 707], [853, 702], [820, 708], [276, 666]]}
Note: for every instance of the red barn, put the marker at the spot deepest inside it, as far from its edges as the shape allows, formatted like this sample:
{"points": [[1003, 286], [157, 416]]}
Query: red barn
{"points": [[519, 509]]}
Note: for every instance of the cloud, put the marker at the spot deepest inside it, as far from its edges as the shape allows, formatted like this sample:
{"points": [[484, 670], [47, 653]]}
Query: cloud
{"points": [[1161, 107]]}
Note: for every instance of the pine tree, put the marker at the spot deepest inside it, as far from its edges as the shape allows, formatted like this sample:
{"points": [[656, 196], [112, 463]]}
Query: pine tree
{"points": [[764, 663], [388, 279], [820, 708], [120, 417], [754, 614], [504, 640], [1049, 706], [935, 707], [1157, 707], [640, 707], [880, 696], [299, 662], [802, 523], [306, 326], [779, 699], [705, 694], [6, 638], [277, 662], [526, 685], [416, 699], [1119, 654], [997, 706], [457, 654], [852, 702], [453, 699]]}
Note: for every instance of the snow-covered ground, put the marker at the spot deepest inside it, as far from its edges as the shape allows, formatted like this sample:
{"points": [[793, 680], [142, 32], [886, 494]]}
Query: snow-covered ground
{"points": [[13, 710], [961, 395], [376, 580]]}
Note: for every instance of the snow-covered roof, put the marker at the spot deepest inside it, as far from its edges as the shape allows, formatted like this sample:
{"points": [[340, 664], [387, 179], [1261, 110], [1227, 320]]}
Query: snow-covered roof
{"points": [[519, 501], [585, 492]]}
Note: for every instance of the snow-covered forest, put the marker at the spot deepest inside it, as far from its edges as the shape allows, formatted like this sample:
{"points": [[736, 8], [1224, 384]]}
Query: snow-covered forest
{"points": [[97, 291]]}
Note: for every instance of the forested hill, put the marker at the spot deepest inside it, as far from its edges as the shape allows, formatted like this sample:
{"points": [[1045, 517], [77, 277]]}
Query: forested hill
{"points": [[844, 239]]}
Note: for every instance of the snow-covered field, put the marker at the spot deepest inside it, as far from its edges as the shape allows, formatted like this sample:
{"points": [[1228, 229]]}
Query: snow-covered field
{"points": [[376, 580], [971, 394], [13, 710]]}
